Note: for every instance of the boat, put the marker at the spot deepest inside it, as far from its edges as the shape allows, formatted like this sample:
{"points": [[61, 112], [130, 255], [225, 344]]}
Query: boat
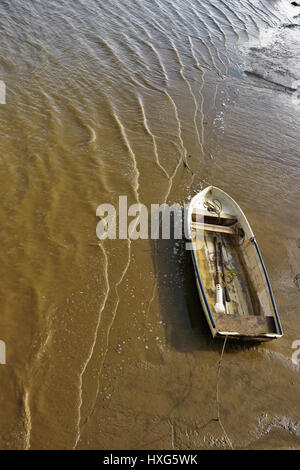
{"points": [[232, 280]]}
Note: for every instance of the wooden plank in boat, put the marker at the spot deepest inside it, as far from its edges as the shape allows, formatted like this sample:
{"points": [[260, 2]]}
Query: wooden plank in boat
{"points": [[214, 228], [202, 212], [244, 324]]}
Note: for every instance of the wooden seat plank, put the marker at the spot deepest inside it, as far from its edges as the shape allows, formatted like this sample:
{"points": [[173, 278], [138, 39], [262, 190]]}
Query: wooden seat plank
{"points": [[214, 228], [204, 212], [244, 324]]}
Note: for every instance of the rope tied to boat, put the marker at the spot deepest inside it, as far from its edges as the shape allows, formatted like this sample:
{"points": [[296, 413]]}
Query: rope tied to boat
{"points": [[214, 206], [217, 396]]}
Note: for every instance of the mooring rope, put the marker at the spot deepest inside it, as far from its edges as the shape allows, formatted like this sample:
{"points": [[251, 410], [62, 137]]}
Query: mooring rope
{"points": [[214, 206], [217, 397]]}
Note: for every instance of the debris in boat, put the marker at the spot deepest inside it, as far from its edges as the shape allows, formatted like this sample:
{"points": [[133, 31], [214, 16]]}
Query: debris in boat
{"points": [[230, 274]]}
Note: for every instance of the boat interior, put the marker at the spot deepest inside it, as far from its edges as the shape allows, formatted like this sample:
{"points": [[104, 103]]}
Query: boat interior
{"points": [[249, 311]]}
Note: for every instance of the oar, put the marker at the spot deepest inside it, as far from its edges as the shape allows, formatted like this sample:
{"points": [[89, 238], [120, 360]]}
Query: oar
{"points": [[227, 296], [219, 306]]}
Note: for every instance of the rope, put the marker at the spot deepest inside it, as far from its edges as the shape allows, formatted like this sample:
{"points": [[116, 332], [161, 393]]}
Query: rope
{"points": [[214, 206], [217, 396]]}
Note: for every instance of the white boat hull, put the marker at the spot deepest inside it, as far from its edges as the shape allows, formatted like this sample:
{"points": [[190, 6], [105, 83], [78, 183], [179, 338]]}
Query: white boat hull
{"points": [[251, 313]]}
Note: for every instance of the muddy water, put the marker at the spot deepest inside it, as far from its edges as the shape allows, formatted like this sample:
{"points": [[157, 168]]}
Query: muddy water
{"points": [[106, 345]]}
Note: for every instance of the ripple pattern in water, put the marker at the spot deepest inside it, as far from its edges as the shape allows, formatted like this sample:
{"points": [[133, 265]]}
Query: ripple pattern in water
{"points": [[106, 344]]}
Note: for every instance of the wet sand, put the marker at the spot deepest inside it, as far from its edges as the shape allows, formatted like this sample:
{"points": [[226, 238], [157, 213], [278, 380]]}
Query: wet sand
{"points": [[106, 343]]}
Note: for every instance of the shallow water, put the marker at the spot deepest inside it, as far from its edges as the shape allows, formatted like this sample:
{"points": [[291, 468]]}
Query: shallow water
{"points": [[106, 344]]}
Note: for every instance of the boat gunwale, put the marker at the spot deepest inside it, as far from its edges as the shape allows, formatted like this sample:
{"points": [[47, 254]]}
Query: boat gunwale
{"points": [[253, 240]]}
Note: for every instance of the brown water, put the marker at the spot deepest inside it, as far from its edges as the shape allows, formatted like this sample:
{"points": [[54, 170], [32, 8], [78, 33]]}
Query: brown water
{"points": [[106, 344]]}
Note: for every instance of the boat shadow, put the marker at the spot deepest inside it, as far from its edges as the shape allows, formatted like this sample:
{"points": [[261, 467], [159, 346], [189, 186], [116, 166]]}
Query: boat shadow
{"points": [[186, 328]]}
